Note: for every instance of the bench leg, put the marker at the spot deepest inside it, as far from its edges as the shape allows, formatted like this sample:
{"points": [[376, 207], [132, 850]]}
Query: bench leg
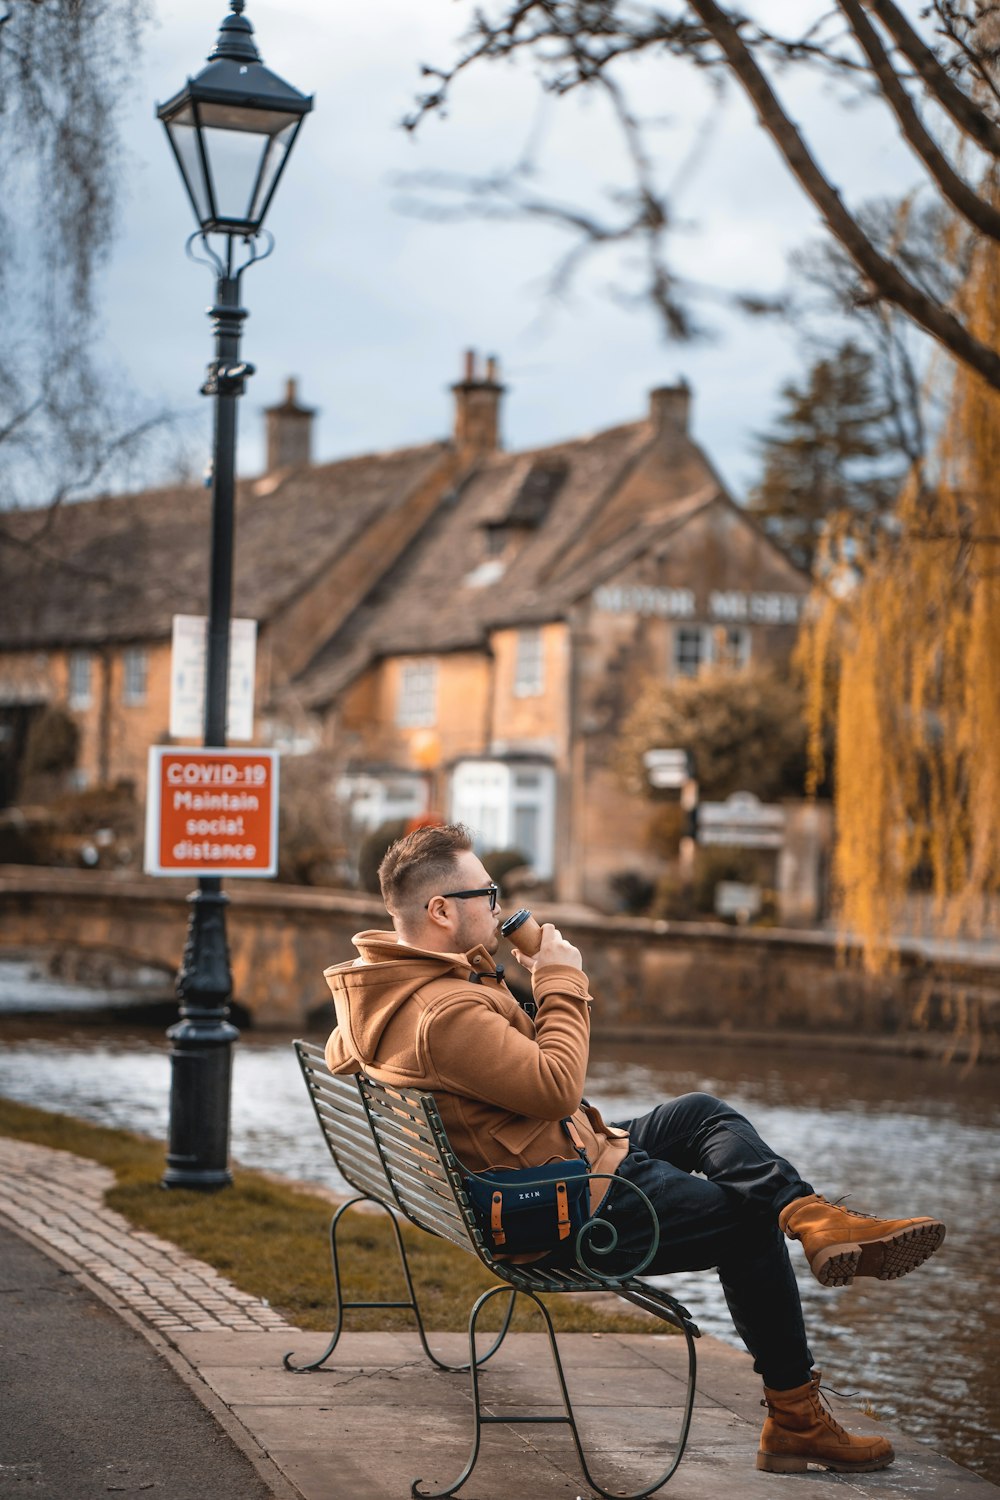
{"points": [[340, 1304], [481, 1418], [411, 1303]]}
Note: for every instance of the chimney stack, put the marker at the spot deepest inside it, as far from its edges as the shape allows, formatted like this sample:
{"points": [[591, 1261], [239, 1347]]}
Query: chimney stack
{"points": [[477, 409], [289, 431], [670, 409]]}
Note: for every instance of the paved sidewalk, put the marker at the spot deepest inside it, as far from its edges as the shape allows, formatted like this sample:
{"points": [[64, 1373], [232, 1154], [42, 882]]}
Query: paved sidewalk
{"points": [[378, 1415], [58, 1199]]}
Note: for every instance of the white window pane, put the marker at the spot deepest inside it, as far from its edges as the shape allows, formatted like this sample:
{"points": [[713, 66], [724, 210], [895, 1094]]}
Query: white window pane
{"points": [[134, 675], [417, 705], [80, 679], [526, 829], [529, 665]]}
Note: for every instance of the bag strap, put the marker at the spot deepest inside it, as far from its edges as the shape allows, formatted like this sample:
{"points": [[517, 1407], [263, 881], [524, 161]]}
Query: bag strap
{"points": [[569, 1125], [496, 1219], [562, 1210]]}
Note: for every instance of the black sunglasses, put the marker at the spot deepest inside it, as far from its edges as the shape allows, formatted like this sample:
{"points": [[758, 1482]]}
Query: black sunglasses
{"points": [[492, 890]]}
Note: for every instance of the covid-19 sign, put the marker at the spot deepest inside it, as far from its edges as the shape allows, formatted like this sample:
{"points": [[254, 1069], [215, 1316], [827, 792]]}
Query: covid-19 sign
{"points": [[212, 812]]}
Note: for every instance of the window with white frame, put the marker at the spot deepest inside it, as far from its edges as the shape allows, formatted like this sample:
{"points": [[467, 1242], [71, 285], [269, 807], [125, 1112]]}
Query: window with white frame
{"points": [[699, 646], [529, 664], [135, 675], [81, 669], [417, 705], [508, 807], [374, 799]]}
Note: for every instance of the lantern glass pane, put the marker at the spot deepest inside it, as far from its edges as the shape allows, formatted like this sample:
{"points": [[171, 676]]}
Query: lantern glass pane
{"points": [[184, 134], [274, 160], [244, 118], [234, 158]]}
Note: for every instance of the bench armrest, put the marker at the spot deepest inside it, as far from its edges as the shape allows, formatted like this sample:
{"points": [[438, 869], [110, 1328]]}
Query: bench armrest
{"points": [[599, 1236]]}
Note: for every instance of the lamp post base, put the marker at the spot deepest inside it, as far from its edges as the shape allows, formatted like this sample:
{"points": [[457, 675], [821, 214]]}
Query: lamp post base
{"points": [[200, 1085], [201, 1052]]}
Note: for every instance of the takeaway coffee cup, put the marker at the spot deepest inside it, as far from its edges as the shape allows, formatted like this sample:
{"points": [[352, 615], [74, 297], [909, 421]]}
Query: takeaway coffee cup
{"points": [[523, 932]]}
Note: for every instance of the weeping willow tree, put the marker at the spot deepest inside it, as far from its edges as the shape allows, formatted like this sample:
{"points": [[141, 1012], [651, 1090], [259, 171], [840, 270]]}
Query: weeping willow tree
{"points": [[66, 71], [903, 658]]}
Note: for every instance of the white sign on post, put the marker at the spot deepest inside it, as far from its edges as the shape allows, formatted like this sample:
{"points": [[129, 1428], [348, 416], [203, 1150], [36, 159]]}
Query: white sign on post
{"points": [[742, 821], [667, 770], [189, 650]]}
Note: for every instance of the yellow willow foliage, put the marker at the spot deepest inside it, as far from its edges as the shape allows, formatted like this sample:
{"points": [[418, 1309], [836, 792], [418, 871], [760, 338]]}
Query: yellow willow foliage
{"points": [[902, 655]]}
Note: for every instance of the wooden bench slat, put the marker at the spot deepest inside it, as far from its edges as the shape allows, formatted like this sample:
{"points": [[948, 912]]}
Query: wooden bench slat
{"points": [[411, 1135], [339, 1123], [412, 1179], [402, 1119], [429, 1172], [420, 1203]]}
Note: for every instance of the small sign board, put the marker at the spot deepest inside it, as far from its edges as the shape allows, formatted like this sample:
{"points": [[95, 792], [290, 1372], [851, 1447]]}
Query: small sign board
{"points": [[742, 821], [211, 812], [667, 770], [734, 899], [189, 649]]}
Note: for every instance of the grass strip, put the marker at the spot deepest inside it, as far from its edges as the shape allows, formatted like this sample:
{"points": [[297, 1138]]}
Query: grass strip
{"points": [[271, 1239]]}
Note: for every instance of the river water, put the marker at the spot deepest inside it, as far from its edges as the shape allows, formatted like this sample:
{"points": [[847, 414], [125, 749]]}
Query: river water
{"points": [[900, 1136]]}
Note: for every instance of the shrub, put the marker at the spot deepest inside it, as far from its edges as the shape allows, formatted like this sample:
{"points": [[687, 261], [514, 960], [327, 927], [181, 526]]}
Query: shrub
{"points": [[746, 730], [373, 850], [52, 743], [501, 862], [633, 891], [310, 840]]}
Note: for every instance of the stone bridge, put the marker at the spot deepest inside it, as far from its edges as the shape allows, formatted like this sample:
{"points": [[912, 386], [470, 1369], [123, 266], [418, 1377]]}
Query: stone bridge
{"points": [[665, 979]]}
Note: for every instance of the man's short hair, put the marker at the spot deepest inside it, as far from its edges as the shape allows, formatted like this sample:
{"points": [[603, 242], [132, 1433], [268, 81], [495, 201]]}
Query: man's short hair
{"points": [[419, 862]]}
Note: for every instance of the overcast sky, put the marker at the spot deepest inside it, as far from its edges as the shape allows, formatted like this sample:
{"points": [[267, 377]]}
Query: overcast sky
{"points": [[371, 308]]}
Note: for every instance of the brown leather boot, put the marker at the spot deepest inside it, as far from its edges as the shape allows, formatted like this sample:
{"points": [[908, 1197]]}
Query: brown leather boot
{"points": [[800, 1430], [841, 1243]]}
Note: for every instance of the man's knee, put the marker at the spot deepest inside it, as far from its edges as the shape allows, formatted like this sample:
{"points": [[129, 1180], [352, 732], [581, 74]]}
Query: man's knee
{"points": [[701, 1108]]}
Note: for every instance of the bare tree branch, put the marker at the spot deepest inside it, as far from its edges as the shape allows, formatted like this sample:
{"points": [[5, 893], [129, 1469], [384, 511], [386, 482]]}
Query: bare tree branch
{"points": [[942, 88], [886, 279], [957, 26], [958, 193]]}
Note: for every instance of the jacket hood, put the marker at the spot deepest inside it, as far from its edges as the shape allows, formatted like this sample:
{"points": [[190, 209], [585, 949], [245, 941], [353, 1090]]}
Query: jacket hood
{"points": [[368, 991]]}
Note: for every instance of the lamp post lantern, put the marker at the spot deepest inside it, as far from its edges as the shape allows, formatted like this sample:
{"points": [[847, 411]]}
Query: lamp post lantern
{"points": [[231, 129]]}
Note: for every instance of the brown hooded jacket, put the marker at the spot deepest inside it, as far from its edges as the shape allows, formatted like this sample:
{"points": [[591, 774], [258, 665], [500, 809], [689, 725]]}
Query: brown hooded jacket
{"points": [[446, 1022]]}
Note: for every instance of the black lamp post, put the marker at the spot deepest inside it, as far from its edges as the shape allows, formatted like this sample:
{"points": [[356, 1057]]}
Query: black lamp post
{"points": [[231, 128]]}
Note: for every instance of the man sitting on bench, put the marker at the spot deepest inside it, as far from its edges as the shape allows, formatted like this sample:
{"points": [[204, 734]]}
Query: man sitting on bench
{"points": [[426, 1007]]}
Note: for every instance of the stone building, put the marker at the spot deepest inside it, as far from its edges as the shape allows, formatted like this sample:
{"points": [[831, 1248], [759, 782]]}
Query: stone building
{"points": [[459, 627]]}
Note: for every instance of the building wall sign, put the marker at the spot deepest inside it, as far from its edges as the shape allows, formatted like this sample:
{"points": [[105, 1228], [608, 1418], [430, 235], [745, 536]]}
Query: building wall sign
{"points": [[636, 599], [764, 608]]}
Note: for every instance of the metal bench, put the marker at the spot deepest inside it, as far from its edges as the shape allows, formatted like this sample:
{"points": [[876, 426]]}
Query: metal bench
{"points": [[390, 1145]]}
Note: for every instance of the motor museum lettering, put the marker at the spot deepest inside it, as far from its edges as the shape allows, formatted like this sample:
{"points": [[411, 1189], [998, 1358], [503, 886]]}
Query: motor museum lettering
{"points": [[682, 604]]}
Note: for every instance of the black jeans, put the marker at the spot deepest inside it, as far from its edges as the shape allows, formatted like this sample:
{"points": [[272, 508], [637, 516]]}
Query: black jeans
{"points": [[727, 1218]]}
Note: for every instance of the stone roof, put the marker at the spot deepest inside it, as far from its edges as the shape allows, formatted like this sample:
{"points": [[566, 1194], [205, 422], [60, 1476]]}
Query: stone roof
{"points": [[118, 568], [520, 542], [396, 553]]}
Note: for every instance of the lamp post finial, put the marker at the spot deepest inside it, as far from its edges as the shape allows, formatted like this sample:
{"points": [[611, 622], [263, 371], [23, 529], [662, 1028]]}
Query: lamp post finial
{"points": [[235, 41]]}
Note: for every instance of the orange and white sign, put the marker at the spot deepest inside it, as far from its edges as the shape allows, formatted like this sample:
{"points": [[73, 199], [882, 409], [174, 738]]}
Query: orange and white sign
{"points": [[212, 812]]}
